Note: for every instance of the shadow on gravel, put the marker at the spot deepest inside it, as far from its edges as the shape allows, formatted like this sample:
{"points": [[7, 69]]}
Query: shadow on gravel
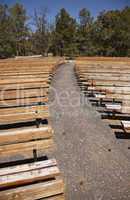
{"points": [[122, 135], [114, 126]]}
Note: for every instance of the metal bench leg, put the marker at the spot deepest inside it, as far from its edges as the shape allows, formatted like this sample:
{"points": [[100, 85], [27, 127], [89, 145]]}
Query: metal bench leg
{"points": [[35, 155]]}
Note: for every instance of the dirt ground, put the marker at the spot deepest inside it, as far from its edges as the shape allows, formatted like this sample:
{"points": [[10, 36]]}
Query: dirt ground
{"points": [[90, 157]]}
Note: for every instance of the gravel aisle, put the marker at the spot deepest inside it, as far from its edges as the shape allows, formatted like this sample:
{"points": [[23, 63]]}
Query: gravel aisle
{"points": [[88, 154]]}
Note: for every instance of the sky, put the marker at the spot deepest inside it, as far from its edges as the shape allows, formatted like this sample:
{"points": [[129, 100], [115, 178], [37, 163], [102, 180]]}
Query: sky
{"points": [[73, 6]]}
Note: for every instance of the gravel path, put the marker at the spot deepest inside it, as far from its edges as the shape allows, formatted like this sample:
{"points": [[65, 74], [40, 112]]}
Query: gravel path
{"points": [[88, 154]]}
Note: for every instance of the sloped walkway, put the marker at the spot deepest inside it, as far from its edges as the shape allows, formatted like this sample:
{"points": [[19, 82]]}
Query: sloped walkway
{"points": [[93, 165]]}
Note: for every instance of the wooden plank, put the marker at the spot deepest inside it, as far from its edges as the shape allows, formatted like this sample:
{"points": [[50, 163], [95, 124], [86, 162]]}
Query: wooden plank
{"points": [[112, 106], [112, 88], [126, 125], [103, 78], [22, 76], [27, 109], [126, 109], [118, 96], [19, 81], [28, 177], [51, 190], [25, 148], [58, 197], [106, 72], [23, 101], [16, 94], [22, 86], [100, 96], [35, 72], [23, 117], [107, 83], [15, 136], [27, 167]]}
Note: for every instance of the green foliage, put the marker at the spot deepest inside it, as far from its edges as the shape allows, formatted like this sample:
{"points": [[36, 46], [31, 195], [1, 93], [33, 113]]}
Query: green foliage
{"points": [[64, 42], [112, 33], [85, 44], [107, 35], [41, 37], [6, 46], [19, 28]]}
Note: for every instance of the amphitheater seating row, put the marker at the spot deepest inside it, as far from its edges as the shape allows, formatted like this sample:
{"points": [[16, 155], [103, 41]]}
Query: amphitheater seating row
{"points": [[27, 172], [108, 82]]}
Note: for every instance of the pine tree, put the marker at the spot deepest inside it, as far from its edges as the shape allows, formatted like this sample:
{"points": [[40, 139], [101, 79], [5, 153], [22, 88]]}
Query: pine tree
{"points": [[65, 34]]}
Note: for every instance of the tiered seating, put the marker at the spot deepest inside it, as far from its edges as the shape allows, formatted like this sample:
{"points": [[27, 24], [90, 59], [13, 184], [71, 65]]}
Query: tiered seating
{"points": [[26, 136], [108, 82], [32, 181]]}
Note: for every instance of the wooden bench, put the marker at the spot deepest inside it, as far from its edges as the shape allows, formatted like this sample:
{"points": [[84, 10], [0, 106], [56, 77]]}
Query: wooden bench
{"points": [[113, 107], [99, 97], [20, 143], [23, 83], [37, 180], [23, 114], [23, 93], [126, 126], [24, 101]]}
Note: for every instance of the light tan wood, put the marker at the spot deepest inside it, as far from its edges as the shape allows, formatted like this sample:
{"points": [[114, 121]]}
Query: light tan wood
{"points": [[23, 117], [53, 189], [23, 101], [25, 148], [27, 167], [28, 176], [24, 135], [24, 86], [19, 81], [27, 109], [126, 125], [27, 93]]}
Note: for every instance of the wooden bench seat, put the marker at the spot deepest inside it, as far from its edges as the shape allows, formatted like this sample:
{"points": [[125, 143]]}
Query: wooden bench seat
{"points": [[99, 96], [22, 76], [32, 181], [126, 109], [21, 142], [19, 81], [25, 93], [26, 109], [25, 133], [113, 107], [126, 126], [22, 86], [106, 83], [24, 73], [23, 101], [23, 117], [111, 88], [24, 114], [103, 78]]}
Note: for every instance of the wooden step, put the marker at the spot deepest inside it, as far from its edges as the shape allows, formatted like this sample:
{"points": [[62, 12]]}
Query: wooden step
{"points": [[23, 117], [21, 143], [126, 125], [113, 106], [26, 109], [24, 135], [19, 81], [25, 93], [22, 86], [32, 181], [23, 101]]}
